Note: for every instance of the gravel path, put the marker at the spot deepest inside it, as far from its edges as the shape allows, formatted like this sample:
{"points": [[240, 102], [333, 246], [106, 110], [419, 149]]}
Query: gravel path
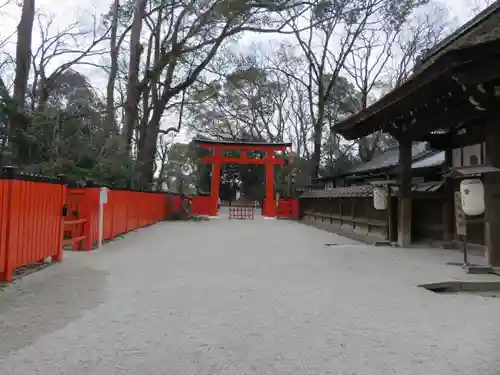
{"points": [[245, 297]]}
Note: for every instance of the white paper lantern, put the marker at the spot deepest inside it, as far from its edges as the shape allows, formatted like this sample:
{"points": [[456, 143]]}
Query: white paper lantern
{"points": [[380, 198], [472, 194]]}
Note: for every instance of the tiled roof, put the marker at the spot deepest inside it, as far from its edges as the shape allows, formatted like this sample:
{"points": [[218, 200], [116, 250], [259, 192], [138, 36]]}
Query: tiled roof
{"points": [[341, 192], [435, 159], [464, 29], [427, 187], [390, 158], [364, 191], [422, 158]]}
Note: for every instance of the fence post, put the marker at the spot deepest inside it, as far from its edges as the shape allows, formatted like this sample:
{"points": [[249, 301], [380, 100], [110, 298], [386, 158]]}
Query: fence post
{"points": [[103, 199], [89, 209], [10, 251], [64, 189], [4, 228]]}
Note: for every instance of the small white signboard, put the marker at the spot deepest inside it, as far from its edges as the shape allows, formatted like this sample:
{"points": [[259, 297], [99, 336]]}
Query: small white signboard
{"points": [[103, 196], [103, 199]]}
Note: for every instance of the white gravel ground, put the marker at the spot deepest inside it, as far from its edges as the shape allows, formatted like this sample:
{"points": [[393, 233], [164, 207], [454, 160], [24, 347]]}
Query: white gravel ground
{"points": [[245, 297]]}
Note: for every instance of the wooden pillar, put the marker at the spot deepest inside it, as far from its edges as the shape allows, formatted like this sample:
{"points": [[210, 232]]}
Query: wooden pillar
{"points": [[448, 208], [491, 194], [270, 202], [340, 212], [215, 184], [405, 214], [389, 217], [353, 217]]}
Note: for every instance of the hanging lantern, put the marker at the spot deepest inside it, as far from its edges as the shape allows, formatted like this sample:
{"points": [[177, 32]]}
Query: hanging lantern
{"points": [[380, 197], [472, 196]]}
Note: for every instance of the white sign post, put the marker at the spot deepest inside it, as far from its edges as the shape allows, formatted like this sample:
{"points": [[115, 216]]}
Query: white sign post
{"points": [[103, 199]]}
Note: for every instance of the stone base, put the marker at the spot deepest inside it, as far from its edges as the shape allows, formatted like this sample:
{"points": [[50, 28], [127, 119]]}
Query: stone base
{"points": [[479, 270]]}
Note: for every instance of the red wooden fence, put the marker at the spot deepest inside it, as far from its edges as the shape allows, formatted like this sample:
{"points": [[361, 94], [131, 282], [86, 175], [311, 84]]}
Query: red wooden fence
{"points": [[31, 225], [39, 215], [202, 205], [124, 211], [4, 214], [288, 208]]}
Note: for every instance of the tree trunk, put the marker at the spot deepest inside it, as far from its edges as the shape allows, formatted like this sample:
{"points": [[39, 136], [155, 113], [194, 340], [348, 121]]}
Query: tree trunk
{"points": [[316, 156], [367, 145], [18, 124], [148, 156], [133, 94], [110, 89], [318, 137]]}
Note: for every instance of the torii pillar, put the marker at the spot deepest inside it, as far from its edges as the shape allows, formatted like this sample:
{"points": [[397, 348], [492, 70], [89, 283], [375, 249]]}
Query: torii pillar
{"points": [[270, 201], [215, 183]]}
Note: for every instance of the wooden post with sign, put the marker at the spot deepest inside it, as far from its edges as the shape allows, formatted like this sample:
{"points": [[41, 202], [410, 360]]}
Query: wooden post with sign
{"points": [[461, 224], [103, 199]]}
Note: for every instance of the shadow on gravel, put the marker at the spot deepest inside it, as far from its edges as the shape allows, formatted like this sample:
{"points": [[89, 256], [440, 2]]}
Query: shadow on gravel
{"points": [[484, 289], [42, 303]]}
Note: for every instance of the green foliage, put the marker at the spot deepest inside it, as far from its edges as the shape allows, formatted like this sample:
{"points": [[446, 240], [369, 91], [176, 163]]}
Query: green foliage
{"points": [[68, 135], [183, 169], [114, 165], [343, 100], [396, 12], [242, 105], [336, 9]]}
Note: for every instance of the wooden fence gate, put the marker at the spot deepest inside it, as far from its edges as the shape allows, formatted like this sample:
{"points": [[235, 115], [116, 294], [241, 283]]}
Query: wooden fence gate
{"points": [[76, 220], [241, 212]]}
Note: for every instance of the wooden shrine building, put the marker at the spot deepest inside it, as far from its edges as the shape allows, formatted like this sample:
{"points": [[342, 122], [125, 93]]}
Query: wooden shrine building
{"points": [[452, 100], [345, 203]]}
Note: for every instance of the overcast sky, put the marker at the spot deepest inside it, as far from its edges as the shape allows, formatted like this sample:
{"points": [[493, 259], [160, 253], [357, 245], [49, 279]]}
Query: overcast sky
{"points": [[462, 9], [67, 11]]}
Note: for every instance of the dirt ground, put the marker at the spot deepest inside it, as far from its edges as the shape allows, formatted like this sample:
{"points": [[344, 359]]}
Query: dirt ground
{"points": [[245, 297]]}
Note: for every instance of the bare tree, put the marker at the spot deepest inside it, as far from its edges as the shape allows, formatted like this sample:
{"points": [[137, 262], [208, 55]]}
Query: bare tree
{"points": [[324, 63], [479, 5], [133, 91], [302, 125], [6, 100], [420, 34], [285, 65], [247, 99], [366, 65], [165, 144], [113, 70], [60, 52], [337, 31], [18, 122], [6, 61], [385, 44], [191, 34]]}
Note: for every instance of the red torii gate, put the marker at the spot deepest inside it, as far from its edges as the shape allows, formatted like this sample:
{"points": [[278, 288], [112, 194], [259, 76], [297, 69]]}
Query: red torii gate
{"points": [[217, 159]]}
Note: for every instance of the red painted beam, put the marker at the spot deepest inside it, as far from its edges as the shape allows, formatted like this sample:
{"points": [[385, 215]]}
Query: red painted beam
{"points": [[243, 147], [227, 160]]}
